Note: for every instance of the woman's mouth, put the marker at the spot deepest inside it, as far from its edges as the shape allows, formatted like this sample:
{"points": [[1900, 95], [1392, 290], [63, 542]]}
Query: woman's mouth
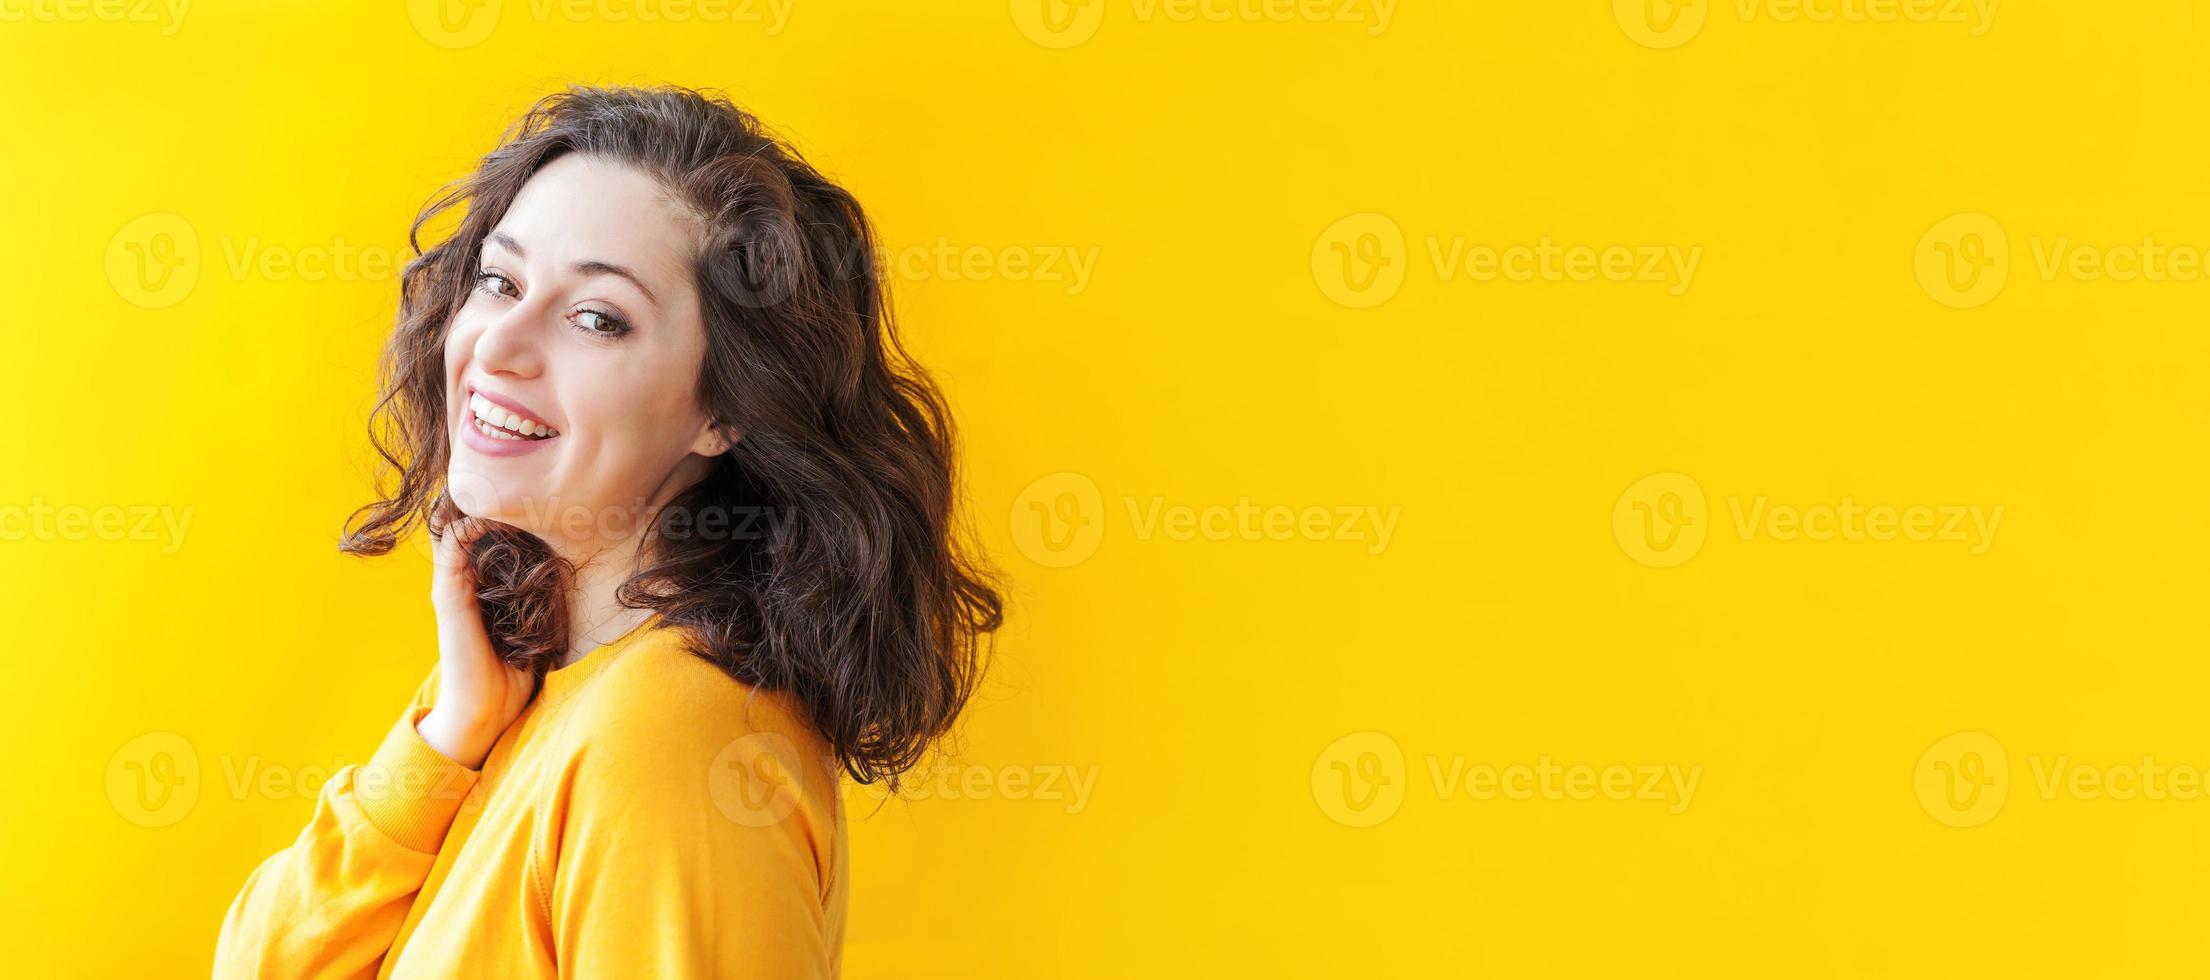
{"points": [[502, 428], [499, 423]]}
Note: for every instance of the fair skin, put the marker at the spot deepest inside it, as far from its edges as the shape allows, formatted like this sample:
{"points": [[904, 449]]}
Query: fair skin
{"points": [[584, 321]]}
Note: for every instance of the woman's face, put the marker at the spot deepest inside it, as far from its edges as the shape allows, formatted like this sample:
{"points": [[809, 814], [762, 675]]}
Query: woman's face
{"points": [[582, 330]]}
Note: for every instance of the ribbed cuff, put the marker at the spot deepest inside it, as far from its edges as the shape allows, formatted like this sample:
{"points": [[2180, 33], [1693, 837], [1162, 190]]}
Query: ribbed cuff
{"points": [[409, 790]]}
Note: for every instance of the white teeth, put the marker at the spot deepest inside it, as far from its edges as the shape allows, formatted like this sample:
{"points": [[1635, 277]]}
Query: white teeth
{"points": [[499, 422]]}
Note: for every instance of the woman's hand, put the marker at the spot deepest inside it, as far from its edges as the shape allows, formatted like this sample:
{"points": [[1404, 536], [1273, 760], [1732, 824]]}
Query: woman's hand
{"points": [[478, 695]]}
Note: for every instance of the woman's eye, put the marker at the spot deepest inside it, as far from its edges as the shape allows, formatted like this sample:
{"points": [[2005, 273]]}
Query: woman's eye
{"points": [[495, 284], [600, 324]]}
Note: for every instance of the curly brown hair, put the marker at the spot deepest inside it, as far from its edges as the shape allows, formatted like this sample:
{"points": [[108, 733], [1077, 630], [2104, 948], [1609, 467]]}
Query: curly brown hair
{"points": [[859, 596]]}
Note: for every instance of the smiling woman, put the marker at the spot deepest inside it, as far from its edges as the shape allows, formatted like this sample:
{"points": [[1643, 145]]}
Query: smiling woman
{"points": [[626, 762]]}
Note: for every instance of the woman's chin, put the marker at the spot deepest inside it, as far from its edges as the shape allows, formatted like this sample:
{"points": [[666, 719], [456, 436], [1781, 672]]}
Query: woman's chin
{"points": [[478, 495]]}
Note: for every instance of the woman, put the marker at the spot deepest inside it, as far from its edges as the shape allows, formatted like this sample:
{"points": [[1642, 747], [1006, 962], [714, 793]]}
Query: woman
{"points": [[696, 560]]}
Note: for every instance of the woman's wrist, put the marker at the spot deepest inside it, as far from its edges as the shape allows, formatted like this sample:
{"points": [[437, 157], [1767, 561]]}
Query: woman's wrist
{"points": [[456, 738]]}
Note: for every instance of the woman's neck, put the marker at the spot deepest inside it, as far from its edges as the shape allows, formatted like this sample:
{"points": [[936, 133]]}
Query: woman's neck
{"points": [[602, 565], [594, 615]]}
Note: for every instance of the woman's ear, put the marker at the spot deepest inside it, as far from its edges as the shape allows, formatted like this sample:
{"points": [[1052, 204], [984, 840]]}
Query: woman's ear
{"points": [[715, 439]]}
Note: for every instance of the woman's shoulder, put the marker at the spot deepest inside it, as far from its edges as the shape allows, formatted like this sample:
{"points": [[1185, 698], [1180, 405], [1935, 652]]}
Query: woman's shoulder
{"points": [[659, 706], [663, 761]]}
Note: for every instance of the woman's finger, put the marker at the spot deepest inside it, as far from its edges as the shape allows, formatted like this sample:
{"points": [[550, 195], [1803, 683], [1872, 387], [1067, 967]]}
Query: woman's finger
{"points": [[454, 579]]}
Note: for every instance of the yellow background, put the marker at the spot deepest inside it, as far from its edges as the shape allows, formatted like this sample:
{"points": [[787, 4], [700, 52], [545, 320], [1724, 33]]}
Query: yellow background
{"points": [[1219, 351]]}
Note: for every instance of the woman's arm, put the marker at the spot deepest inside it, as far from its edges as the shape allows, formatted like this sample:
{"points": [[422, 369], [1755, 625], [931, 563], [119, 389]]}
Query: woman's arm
{"points": [[331, 903]]}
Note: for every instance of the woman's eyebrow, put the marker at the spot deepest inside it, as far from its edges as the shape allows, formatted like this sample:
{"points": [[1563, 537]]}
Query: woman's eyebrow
{"points": [[590, 267]]}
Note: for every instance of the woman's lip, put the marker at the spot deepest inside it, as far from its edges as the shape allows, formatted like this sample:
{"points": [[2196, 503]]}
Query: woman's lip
{"points": [[475, 439]]}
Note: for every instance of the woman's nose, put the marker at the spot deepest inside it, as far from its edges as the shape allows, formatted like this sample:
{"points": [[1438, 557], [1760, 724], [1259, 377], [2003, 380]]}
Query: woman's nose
{"points": [[513, 342]]}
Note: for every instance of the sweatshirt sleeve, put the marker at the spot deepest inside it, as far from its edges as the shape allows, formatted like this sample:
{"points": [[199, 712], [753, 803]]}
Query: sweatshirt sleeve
{"points": [[690, 849], [330, 904]]}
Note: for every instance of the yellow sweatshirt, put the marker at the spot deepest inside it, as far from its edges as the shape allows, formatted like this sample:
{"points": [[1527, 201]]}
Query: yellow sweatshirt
{"points": [[645, 816]]}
